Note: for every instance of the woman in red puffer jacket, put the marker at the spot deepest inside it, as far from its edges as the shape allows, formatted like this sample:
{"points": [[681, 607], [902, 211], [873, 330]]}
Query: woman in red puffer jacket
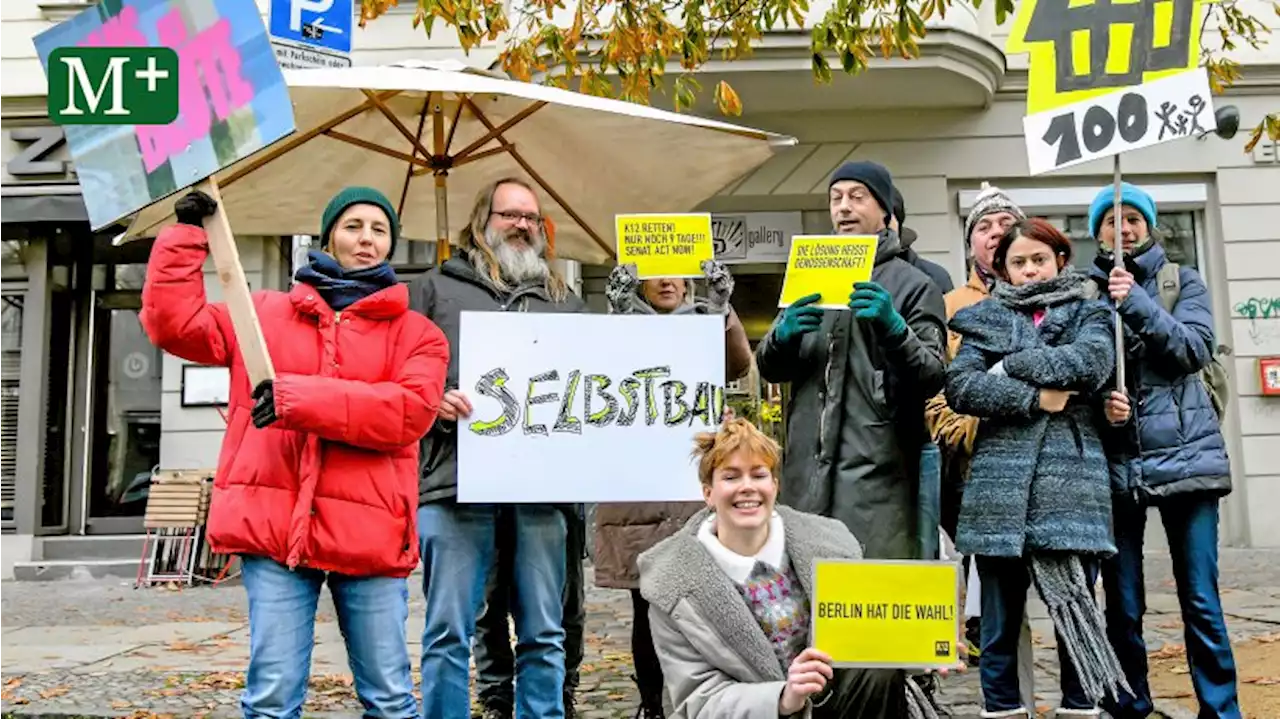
{"points": [[317, 480]]}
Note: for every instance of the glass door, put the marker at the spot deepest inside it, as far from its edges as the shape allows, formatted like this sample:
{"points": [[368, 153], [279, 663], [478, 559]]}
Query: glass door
{"points": [[126, 397]]}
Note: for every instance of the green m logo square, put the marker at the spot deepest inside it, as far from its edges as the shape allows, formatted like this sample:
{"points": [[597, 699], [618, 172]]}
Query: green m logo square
{"points": [[113, 85]]}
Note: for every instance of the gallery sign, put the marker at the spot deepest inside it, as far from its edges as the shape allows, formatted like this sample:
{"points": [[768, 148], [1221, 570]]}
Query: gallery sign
{"points": [[754, 236]]}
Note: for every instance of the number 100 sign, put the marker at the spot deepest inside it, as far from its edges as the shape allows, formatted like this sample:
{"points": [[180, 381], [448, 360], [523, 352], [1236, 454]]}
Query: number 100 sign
{"points": [[1167, 109]]}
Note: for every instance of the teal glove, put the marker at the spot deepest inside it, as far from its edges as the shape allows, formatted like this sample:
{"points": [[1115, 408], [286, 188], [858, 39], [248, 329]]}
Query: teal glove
{"points": [[799, 319], [870, 301]]}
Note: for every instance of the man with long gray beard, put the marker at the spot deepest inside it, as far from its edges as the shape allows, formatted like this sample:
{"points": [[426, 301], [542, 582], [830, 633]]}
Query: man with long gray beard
{"points": [[501, 266]]}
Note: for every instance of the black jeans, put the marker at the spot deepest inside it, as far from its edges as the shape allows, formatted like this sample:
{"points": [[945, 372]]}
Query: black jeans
{"points": [[495, 660], [865, 694], [643, 655]]}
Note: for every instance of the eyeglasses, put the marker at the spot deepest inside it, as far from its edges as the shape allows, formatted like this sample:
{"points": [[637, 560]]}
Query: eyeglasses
{"points": [[514, 216]]}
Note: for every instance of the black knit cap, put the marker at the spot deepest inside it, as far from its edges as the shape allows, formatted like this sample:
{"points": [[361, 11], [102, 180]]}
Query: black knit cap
{"points": [[907, 234], [874, 176]]}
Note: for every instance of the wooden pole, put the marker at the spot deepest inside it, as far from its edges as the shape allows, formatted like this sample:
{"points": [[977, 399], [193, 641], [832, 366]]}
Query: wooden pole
{"points": [[1117, 251], [441, 181], [235, 290]]}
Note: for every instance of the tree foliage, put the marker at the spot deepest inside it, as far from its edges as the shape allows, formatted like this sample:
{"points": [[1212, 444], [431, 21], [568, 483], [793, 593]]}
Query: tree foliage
{"points": [[622, 48]]}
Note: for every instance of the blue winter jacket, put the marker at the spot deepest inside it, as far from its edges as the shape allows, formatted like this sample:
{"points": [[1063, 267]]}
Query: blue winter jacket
{"points": [[1173, 442]]}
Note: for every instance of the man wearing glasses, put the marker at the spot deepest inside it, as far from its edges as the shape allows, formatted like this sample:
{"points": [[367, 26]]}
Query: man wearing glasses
{"points": [[500, 266]]}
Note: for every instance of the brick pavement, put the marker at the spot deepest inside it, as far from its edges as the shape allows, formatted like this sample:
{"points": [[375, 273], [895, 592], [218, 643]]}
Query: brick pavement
{"points": [[100, 648]]}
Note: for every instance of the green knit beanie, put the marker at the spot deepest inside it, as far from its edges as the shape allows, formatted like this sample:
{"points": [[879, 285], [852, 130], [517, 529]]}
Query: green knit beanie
{"points": [[356, 195]]}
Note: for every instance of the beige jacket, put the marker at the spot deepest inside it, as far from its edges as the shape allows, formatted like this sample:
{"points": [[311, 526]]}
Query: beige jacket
{"points": [[716, 661], [954, 432]]}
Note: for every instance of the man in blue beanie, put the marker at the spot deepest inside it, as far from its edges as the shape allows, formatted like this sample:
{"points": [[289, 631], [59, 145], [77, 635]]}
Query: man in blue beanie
{"points": [[1166, 450], [860, 379]]}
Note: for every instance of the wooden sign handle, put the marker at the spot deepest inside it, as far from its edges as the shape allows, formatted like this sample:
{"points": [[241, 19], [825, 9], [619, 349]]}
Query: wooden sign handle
{"points": [[235, 289]]}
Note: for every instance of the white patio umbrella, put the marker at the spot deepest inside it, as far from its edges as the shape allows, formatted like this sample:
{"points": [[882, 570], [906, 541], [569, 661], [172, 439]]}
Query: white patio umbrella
{"points": [[429, 135]]}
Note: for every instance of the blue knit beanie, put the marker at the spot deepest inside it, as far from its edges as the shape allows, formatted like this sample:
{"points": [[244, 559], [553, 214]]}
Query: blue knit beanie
{"points": [[357, 195], [1130, 195]]}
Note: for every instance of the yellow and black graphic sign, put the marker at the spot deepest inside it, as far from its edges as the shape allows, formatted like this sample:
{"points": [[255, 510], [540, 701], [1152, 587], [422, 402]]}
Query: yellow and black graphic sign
{"points": [[1080, 49]]}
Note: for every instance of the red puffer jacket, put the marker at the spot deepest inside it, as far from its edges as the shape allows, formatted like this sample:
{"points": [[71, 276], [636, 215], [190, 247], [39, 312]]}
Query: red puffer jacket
{"points": [[333, 484]]}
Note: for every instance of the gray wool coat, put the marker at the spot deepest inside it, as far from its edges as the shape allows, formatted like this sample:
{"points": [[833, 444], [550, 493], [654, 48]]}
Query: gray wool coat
{"points": [[716, 661], [1038, 480]]}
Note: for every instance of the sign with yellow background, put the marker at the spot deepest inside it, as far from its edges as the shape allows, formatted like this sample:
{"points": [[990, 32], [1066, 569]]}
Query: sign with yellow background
{"points": [[883, 613], [665, 245], [828, 266], [1082, 49]]}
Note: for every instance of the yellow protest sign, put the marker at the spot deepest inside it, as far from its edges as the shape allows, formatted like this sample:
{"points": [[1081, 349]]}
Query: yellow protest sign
{"points": [[828, 266], [1081, 49], [884, 613], [665, 245]]}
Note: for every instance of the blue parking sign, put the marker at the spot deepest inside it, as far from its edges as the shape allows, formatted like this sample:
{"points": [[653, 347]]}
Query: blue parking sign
{"points": [[313, 23]]}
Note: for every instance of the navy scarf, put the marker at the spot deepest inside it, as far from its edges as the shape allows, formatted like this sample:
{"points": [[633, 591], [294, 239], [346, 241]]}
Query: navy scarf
{"points": [[342, 288]]}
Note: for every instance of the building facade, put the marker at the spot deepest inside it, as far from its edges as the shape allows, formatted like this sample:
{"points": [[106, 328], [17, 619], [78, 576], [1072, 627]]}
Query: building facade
{"points": [[90, 407]]}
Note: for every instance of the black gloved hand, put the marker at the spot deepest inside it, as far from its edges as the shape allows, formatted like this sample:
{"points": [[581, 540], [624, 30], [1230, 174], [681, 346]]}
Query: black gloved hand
{"points": [[264, 408], [194, 207]]}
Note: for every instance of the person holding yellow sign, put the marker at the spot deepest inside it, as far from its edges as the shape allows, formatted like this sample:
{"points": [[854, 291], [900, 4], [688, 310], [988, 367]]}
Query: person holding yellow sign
{"points": [[730, 595], [625, 529], [860, 379], [1033, 357]]}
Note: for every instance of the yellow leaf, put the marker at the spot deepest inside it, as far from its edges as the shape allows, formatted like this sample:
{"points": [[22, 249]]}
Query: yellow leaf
{"points": [[727, 100]]}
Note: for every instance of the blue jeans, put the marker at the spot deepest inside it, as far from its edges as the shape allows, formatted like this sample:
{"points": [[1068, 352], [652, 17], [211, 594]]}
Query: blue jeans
{"points": [[929, 503], [1005, 581], [1191, 525], [495, 659], [372, 612], [458, 542]]}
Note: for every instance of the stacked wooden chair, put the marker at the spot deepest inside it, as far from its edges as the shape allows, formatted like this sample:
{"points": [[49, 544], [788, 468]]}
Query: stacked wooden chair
{"points": [[174, 549]]}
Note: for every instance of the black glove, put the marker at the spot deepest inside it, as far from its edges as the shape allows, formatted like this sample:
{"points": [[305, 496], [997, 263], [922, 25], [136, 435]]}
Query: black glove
{"points": [[264, 408], [194, 207]]}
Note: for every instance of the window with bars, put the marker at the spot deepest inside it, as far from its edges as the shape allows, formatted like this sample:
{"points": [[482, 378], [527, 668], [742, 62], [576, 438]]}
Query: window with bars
{"points": [[10, 373]]}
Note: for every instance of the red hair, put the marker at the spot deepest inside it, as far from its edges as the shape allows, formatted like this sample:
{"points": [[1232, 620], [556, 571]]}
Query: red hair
{"points": [[713, 449], [1032, 228]]}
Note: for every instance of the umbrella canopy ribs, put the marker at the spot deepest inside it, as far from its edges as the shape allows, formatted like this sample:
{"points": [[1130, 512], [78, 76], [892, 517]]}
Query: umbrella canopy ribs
{"points": [[394, 125]]}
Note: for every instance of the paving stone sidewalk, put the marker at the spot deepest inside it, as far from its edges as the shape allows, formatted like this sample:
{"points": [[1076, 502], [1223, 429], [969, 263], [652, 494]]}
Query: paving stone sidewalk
{"points": [[99, 648]]}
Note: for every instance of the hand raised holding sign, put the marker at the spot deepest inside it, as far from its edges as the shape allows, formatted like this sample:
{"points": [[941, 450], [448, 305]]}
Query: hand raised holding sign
{"points": [[808, 675]]}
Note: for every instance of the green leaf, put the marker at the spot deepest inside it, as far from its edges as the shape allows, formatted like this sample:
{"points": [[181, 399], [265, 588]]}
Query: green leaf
{"points": [[848, 60], [821, 69]]}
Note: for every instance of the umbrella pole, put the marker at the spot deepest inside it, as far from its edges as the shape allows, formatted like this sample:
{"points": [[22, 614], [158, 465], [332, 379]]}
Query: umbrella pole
{"points": [[442, 217], [442, 182]]}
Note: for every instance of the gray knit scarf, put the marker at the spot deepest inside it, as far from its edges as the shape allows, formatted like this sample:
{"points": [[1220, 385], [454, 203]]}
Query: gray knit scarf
{"points": [[1059, 577], [1066, 287]]}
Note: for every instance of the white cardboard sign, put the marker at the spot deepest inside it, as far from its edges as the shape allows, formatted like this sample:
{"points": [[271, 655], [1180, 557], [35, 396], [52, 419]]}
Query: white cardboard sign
{"points": [[1167, 109], [586, 408]]}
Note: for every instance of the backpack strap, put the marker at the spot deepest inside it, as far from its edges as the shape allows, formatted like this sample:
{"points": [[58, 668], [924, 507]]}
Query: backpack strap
{"points": [[1169, 283]]}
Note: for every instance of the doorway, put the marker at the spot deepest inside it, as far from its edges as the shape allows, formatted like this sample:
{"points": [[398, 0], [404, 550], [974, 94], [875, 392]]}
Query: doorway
{"points": [[114, 417]]}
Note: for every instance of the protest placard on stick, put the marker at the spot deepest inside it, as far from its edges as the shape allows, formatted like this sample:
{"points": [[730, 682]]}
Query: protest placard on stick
{"points": [[1106, 79], [232, 102]]}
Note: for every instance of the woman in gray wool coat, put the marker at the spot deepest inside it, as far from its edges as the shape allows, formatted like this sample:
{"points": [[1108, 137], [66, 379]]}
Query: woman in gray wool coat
{"points": [[1033, 360]]}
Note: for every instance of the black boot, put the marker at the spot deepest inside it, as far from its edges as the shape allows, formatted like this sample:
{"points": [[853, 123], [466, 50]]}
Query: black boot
{"points": [[650, 706]]}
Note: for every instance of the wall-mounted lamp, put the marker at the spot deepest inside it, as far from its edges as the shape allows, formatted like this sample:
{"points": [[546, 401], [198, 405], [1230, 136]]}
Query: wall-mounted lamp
{"points": [[1228, 120]]}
